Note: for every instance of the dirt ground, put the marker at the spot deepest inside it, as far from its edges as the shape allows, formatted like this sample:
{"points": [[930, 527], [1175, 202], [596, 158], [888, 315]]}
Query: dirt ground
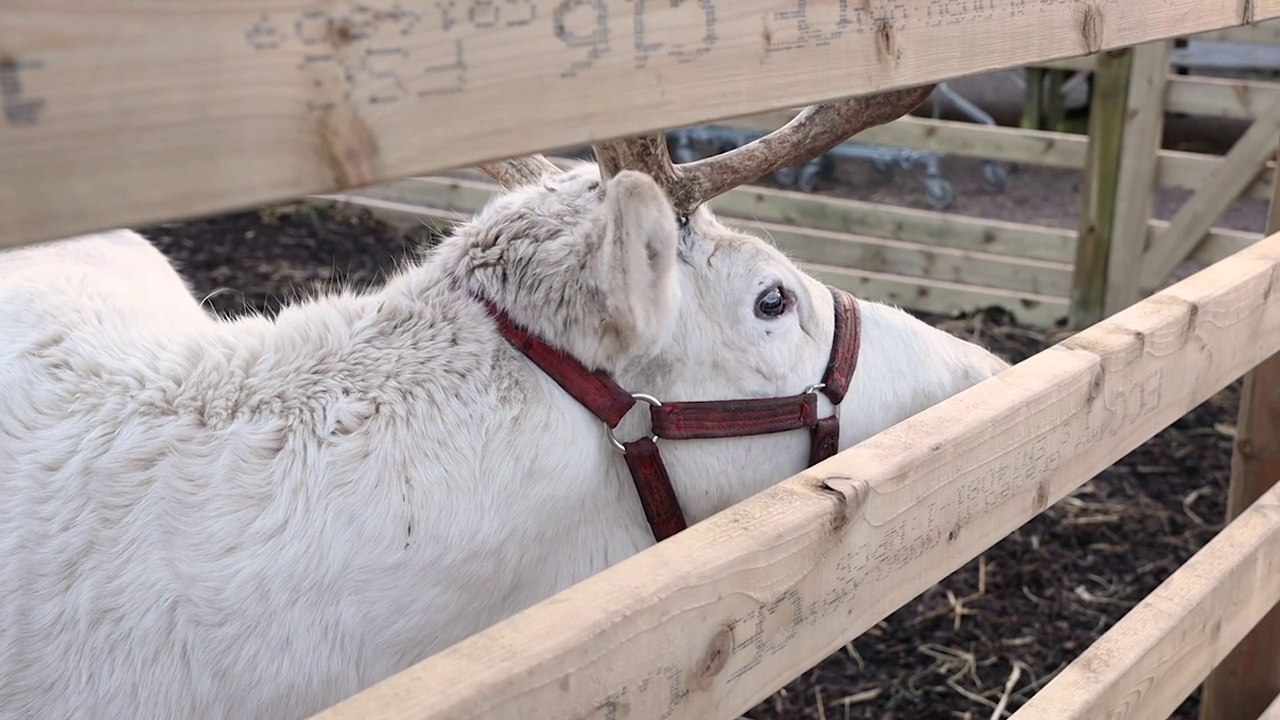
{"points": [[1033, 601]]}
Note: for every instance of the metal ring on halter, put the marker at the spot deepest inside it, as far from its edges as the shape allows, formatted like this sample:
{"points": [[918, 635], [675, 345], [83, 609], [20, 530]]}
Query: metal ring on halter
{"points": [[645, 397], [813, 388]]}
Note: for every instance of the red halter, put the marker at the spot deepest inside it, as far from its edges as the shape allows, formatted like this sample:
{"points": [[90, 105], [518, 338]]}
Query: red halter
{"points": [[609, 402]]}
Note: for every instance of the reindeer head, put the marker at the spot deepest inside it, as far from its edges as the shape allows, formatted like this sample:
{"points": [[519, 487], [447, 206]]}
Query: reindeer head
{"points": [[622, 266]]}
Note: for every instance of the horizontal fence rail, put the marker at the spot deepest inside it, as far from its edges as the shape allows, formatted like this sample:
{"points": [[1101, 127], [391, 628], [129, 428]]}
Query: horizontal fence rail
{"points": [[715, 619], [1151, 660], [119, 113], [933, 261]]}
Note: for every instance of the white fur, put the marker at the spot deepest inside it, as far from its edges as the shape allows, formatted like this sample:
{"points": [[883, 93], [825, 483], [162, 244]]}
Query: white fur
{"points": [[202, 518]]}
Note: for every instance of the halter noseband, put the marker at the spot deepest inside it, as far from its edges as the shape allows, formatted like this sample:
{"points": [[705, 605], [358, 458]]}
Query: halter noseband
{"points": [[609, 402]]}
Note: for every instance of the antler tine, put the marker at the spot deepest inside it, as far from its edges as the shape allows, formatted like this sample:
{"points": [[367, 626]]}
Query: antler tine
{"points": [[646, 153], [514, 172], [814, 131]]}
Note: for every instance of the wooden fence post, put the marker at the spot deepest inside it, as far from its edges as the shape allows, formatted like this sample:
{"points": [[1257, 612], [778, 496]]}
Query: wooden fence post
{"points": [[1247, 681], [1033, 99], [1102, 168], [1136, 180]]}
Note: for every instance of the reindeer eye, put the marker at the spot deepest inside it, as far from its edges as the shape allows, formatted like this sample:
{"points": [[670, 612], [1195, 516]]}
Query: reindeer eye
{"points": [[771, 303]]}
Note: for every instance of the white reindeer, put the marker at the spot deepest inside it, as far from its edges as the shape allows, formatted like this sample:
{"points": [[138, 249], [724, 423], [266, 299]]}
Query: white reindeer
{"points": [[204, 518]]}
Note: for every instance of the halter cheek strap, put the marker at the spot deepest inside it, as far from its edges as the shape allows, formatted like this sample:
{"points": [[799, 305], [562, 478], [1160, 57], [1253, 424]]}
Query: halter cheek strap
{"points": [[691, 420]]}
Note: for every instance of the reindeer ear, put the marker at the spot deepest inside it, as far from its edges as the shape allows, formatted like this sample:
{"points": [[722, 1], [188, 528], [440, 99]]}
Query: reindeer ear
{"points": [[636, 265]]}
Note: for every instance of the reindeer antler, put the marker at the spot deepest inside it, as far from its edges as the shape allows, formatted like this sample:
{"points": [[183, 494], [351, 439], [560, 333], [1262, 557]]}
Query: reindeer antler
{"points": [[513, 172], [814, 131]]}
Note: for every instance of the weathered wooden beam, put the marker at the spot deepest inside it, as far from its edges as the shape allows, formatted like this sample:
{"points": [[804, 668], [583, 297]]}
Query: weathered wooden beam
{"points": [[1153, 658], [863, 252], [1219, 243], [1174, 168], [1265, 33], [959, 232], [1220, 97], [1136, 176], [920, 294], [1080, 63], [1055, 105], [1033, 99], [441, 201], [1094, 245], [817, 212], [1249, 677], [940, 296], [1229, 179], [954, 137], [708, 623], [137, 113], [1193, 170]]}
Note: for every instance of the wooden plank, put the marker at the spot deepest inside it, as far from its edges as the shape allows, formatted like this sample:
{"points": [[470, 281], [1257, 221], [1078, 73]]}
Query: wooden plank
{"points": [[1175, 168], [1200, 55], [1055, 107], [1099, 193], [205, 106], [941, 297], [711, 621], [464, 196], [1217, 245], [1249, 677], [861, 252], [457, 197], [1080, 63], [1135, 188], [1232, 175], [917, 294], [959, 232], [954, 137], [855, 251], [1192, 171], [1220, 97], [1265, 33], [1153, 658], [1033, 98], [760, 204]]}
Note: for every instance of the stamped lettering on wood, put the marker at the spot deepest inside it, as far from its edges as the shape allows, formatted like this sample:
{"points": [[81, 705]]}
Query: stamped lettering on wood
{"points": [[586, 26], [20, 109], [369, 55], [382, 52]]}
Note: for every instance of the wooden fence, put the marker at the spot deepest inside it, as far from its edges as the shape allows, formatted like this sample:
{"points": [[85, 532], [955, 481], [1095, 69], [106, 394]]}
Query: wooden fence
{"points": [[946, 262], [115, 119], [1123, 254]]}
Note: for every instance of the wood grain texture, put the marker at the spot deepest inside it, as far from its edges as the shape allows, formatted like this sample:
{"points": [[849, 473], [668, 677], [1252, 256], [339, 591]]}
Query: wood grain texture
{"points": [[1197, 215], [713, 620], [923, 294], [1136, 180], [1100, 190], [1249, 677], [1150, 661], [801, 225], [122, 112], [1220, 97], [443, 201]]}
